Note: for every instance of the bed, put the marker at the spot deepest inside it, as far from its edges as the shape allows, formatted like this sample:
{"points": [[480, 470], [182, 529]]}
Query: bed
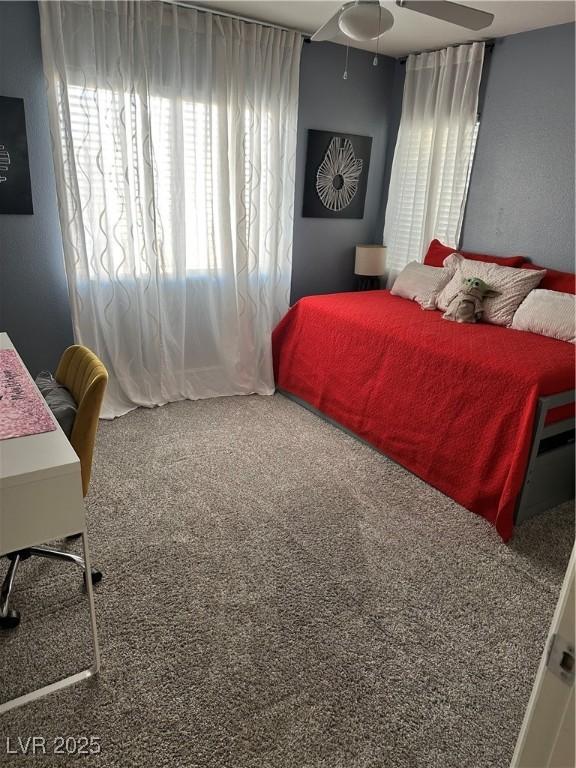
{"points": [[482, 413]]}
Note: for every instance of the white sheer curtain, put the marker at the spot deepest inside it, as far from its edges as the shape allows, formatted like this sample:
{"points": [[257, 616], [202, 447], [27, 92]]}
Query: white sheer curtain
{"points": [[174, 137], [434, 152]]}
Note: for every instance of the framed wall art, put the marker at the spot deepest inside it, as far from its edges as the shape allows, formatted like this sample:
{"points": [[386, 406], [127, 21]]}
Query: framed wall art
{"points": [[15, 188], [336, 176]]}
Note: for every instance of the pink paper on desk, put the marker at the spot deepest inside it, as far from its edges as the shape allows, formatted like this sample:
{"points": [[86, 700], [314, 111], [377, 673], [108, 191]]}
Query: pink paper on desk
{"points": [[23, 410]]}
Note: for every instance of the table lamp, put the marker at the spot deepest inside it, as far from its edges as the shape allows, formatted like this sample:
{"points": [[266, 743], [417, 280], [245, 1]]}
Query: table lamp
{"points": [[370, 265]]}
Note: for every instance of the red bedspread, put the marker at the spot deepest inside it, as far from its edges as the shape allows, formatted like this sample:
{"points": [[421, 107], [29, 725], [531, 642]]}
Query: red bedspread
{"points": [[455, 404]]}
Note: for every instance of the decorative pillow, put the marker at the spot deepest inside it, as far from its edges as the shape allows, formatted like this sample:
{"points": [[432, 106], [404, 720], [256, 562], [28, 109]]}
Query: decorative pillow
{"points": [[511, 283], [549, 313], [59, 400], [555, 280], [437, 252], [421, 283]]}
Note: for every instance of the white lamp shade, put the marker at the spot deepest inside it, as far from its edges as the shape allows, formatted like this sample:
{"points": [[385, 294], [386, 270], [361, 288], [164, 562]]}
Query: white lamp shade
{"points": [[370, 260]]}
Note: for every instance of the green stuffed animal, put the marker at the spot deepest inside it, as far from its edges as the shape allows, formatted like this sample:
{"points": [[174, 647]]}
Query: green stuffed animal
{"points": [[467, 305]]}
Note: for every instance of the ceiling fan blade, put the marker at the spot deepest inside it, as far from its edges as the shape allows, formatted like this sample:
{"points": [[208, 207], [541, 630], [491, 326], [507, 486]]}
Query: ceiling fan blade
{"points": [[329, 30], [462, 15]]}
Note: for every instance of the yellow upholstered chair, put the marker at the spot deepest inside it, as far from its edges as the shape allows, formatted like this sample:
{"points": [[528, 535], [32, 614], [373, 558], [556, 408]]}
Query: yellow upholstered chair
{"points": [[85, 377]]}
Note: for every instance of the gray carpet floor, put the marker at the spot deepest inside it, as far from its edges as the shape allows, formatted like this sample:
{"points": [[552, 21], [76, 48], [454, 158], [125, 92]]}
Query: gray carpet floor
{"points": [[278, 595]]}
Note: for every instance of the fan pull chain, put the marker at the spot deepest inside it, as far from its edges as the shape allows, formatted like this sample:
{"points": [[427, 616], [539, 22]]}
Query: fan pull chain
{"points": [[375, 60], [345, 75]]}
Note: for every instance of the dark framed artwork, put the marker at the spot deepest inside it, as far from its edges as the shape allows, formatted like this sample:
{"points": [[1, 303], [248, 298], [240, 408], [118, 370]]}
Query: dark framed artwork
{"points": [[15, 189], [336, 176]]}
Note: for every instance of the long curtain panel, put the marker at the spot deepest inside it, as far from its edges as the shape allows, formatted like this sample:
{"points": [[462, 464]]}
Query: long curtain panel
{"points": [[174, 137], [434, 151]]}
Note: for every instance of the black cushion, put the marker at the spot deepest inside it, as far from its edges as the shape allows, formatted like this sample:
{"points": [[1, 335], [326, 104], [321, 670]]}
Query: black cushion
{"points": [[59, 400]]}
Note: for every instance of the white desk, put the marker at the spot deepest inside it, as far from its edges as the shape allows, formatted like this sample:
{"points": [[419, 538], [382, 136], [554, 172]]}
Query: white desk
{"points": [[41, 500]]}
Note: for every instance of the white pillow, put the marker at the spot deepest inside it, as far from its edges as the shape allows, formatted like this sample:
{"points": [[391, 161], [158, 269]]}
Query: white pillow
{"points": [[512, 283], [549, 313], [422, 283]]}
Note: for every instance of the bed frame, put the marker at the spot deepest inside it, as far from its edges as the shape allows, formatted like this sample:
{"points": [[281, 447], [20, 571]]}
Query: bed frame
{"points": [[550, 474]]}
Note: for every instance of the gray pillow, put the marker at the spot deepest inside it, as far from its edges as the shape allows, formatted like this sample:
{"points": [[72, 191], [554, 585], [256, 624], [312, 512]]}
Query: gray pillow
{"points": [[59, 400]]}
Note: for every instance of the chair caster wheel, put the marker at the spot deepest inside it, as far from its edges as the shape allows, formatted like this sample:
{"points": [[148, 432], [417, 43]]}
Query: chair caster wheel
{"points": [[95, 575], [11, 620]]}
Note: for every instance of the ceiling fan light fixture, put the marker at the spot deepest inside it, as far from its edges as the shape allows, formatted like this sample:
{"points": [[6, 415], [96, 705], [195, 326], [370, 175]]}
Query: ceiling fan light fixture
{"points": [[365, 21]]}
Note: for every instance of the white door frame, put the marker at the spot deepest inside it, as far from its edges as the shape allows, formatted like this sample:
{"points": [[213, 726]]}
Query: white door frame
{"points": [[546, 738]]}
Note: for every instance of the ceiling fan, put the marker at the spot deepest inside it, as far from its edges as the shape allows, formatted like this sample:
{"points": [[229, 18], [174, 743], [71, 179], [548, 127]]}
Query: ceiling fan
{"points": [[365, 20]]}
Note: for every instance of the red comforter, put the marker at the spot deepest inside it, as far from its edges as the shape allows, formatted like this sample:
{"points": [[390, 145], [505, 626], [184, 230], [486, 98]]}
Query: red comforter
{"points": [[455, 404]]}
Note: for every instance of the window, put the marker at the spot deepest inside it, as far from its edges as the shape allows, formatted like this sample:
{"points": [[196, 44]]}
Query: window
{"points": [[453, 204], [159, 168], [415, 199]]}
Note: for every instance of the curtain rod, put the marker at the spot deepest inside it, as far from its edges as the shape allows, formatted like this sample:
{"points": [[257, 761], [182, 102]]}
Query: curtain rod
{"points": [[227, 15], [488, 46]]}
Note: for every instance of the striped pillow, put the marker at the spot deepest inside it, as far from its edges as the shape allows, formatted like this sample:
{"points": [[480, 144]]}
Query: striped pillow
{"points": [[512, 284], [548, 313]]}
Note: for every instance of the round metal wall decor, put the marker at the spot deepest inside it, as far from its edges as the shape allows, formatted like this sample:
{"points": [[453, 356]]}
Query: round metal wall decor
{"points": [[338, 175]]}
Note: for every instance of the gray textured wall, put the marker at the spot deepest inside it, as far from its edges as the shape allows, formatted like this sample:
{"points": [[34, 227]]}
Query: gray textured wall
{"points": [[365, 104], [34, 306], [521, 198]]}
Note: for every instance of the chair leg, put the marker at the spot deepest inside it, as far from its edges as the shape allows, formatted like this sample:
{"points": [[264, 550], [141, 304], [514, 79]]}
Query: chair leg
{"points": [[68, 557], [56, 554], [9, 618]]}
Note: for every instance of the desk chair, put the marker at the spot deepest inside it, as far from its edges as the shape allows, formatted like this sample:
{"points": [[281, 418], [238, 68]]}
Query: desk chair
{"points": [[85, 377]]}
